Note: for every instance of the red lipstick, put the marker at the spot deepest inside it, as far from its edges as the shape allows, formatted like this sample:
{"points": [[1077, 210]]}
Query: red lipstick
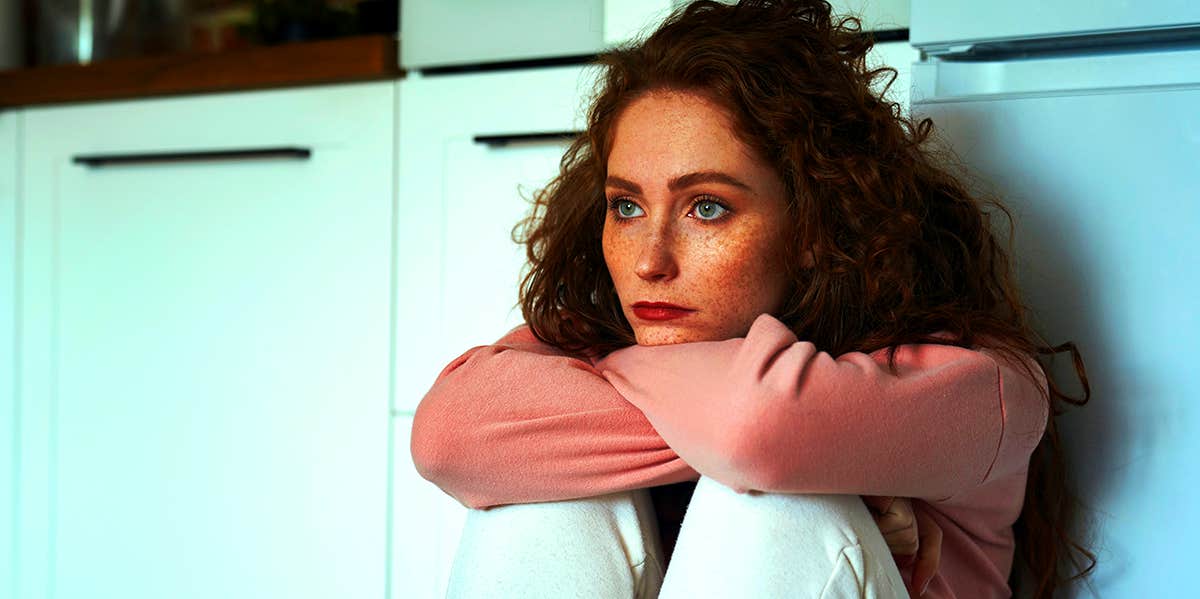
{"points": [[659, 311]]}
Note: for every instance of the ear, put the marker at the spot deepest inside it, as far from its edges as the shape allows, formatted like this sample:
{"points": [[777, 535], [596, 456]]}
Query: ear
{"points": [[807, 259]]}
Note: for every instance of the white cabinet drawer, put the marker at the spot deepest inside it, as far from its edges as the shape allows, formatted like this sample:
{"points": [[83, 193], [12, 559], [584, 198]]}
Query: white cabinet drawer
{"points": [[459, 199], [876, 15], [205, 350], [899, 56], [441, 32], [426, 525], [438, 33]]}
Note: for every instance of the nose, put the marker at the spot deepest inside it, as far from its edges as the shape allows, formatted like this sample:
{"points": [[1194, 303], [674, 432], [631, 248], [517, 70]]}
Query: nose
{"points": [[656, 259]]}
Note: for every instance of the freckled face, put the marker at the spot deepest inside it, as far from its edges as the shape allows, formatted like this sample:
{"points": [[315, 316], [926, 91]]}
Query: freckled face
{"points": [[695, 219]]}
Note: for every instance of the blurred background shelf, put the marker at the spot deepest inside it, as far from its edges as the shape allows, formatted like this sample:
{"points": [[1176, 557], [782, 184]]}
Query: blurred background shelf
{"points": [[356, 58]]}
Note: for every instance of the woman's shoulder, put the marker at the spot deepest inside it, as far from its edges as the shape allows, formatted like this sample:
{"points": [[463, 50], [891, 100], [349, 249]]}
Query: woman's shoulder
{"points": [[521, 333], [523, 338]]}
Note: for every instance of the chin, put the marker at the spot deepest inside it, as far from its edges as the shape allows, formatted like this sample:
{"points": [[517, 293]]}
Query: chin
{"points": [[668, 335]]}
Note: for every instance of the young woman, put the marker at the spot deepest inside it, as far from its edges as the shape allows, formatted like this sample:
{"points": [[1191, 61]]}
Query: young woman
{"points": [[751, 273]]}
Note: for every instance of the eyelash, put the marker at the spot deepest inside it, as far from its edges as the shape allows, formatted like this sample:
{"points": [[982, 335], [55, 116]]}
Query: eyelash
{"points": [[704, 199]]}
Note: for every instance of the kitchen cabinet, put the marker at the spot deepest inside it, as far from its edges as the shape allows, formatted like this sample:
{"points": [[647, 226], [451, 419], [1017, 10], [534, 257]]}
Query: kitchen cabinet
{"points": [[205, 345], [899, 56], [439, 34], [435, 33], [876, 15], [464, 183], [427, 524], [462, 190], [8, 331], [891, 16]]}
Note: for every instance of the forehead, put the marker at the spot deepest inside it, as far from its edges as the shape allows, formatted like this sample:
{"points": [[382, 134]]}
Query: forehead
{"points": [[670, 107], [679, 128]]}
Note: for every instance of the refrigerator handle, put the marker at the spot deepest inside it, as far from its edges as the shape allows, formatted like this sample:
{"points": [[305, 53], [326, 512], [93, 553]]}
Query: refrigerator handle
{"points": [[939, 79]]}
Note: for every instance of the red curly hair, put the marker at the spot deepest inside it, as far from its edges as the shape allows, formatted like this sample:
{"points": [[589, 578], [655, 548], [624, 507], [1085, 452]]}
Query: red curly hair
{"points": [[901, 250]]}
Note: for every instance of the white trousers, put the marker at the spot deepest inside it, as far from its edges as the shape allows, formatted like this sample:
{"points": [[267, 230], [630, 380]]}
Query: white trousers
{"points": [[729, 545]]}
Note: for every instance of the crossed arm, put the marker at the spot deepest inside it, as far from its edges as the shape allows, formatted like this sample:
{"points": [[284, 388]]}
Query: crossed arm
{"points": [[520, 421]]}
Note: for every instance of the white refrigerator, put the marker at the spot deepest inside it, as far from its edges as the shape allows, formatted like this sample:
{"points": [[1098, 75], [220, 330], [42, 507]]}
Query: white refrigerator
{"points": [[1084, 119]]}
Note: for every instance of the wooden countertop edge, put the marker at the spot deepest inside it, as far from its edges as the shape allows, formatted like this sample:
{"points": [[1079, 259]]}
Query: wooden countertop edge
{"points": [[357, 58]]}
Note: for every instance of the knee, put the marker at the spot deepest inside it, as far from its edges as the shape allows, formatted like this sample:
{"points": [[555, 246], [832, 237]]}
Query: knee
{"points": [[810, 545], [587, 526], [587, 512], [539, 549], [840, 520]]}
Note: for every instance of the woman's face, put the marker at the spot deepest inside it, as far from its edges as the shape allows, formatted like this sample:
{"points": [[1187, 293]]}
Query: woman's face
{"points": [[695, 219]]}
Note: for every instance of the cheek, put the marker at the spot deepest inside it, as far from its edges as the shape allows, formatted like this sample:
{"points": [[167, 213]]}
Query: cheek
{"points": [[744, 271], [617, 252]]}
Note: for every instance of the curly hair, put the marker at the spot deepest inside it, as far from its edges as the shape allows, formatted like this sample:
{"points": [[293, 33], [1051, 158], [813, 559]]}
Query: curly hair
{"points": [[900, 249]]}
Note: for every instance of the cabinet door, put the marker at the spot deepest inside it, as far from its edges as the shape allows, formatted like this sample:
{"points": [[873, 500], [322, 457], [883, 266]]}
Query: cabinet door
{"points": [[459, 200], [8, 336], [439, 33], [460, 195], [436, 33], [629, 20], [876, 15], [899, 56], [426, 525], [204, 364], [882, 15]]}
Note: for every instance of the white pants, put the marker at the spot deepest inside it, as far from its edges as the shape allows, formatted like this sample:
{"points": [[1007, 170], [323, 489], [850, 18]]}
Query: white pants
{"points": [[729, 545]]}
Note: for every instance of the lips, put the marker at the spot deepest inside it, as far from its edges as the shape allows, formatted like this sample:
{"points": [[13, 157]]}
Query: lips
{"points": [[659, 311]]}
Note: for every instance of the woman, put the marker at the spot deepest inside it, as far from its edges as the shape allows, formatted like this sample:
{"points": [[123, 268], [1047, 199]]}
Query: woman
{"points": [[842, 323]]}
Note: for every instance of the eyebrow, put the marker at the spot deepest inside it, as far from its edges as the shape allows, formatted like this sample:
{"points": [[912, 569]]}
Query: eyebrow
{"points": [[681, 182]]}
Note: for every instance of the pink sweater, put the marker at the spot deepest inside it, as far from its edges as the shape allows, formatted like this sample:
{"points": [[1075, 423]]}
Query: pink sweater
{"points": [[521, 421]]}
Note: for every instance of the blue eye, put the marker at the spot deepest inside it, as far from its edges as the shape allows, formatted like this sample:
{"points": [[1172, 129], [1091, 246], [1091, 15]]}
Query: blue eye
{"points": [[624, 208], [709, 209]]}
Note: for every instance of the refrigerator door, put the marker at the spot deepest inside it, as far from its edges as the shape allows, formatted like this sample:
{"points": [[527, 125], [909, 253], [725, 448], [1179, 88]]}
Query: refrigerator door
{"points": [[1100, 174], [938, 80], [953, 22]]}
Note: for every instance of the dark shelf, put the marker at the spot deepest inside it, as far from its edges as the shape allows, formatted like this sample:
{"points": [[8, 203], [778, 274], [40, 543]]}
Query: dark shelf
{"points": [[357, 58]]}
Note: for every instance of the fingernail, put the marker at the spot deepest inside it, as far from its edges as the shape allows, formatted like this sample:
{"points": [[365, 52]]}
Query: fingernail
{"points": [[925, 587]]}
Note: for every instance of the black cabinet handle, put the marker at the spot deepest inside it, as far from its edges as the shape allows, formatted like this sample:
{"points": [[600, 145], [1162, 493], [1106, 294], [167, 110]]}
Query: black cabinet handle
{"points": [[498, 141], [887, 35], [108, 159]]}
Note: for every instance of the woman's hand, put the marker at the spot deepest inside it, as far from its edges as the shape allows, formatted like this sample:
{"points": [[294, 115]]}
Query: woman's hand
{"points": [[912, 537]]}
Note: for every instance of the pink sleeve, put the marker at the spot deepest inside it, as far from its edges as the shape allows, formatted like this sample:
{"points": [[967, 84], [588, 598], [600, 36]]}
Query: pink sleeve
{"points": [[520, 421], [771, 413]]}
